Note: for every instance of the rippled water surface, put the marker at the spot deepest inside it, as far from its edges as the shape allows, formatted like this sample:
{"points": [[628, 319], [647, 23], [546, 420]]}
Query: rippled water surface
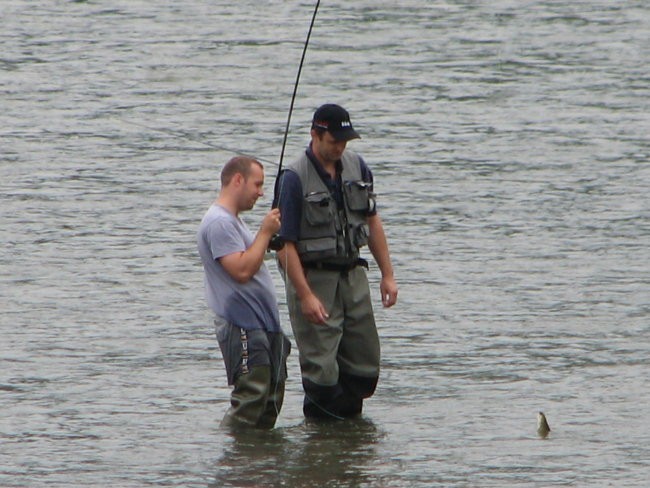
{"points": [[510, 145]]}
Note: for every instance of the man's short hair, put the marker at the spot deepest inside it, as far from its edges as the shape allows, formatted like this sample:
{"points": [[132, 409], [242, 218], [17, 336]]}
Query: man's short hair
{"points": [[238, 164]]}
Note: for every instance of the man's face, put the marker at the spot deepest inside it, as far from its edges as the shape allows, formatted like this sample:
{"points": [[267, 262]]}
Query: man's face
{"points": [[326, 148], [252, 188]]}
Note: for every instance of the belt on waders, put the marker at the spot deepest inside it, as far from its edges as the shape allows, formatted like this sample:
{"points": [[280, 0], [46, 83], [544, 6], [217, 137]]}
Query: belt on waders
{"points": [[339, 268]]}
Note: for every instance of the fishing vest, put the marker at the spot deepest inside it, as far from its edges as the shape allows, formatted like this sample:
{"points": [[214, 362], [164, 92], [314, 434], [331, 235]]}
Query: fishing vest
{"points": [[329, 234]]}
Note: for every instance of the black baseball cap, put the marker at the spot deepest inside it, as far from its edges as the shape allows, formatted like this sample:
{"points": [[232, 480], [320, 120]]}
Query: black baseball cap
{"points": [[335, 120]]}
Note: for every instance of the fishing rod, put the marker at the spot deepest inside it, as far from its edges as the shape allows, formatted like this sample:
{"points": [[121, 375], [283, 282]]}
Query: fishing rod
{"points": [[277, 242], [186, 135]]}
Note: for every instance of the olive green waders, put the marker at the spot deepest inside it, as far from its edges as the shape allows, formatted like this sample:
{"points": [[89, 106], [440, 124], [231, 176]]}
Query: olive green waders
{"points": [[255, 363], [339, 360]]}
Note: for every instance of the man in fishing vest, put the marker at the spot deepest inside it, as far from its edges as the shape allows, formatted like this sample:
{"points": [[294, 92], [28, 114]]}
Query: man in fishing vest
{"points": [[328, 213], [240, 291]]}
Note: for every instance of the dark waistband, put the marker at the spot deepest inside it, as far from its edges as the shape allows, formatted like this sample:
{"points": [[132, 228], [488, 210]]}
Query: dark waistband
{"points": [[341, 268]]}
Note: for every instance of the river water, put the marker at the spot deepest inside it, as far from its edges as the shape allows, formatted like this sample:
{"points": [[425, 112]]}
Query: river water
{"points": [[510, 142]]}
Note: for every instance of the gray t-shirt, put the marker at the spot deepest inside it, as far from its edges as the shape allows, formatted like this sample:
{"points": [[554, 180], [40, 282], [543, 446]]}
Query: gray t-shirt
{"points": [[250, 305]]}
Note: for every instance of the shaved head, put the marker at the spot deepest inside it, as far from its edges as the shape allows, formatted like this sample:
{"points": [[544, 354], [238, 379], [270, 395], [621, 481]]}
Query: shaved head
{"points": [[237, 165]]}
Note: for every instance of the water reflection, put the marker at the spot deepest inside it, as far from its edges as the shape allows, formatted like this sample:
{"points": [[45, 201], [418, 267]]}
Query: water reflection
{"points": [[338, 453]]}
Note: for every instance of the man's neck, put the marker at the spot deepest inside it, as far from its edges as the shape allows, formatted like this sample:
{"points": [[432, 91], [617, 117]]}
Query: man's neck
{"points": [[226, 203], [329, 166]]}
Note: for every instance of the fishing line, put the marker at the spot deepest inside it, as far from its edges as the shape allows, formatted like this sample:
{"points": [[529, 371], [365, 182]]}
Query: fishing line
{"points": [[277, 242], [185, 135]]}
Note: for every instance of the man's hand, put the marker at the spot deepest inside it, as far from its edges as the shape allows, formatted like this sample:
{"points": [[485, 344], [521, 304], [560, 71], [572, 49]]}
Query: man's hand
{"points": [[271, 223], [313, 309], [388, 288]]}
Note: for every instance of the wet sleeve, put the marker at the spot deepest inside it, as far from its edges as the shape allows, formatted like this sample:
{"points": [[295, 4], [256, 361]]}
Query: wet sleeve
{"points": [[290, 205]]}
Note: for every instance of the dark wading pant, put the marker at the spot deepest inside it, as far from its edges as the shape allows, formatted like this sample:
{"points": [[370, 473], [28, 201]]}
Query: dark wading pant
{"points": [[339, 360], [256, 365]]}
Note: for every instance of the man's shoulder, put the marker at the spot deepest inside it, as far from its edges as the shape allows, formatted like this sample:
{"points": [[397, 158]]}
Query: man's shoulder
{"points": [[356, 165], [352, 156], [221, 233], [219, 218], [289, 181], [299, 165]]}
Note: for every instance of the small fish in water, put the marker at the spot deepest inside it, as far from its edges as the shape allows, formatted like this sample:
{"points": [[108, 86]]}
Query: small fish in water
{"points": [[542, 425]]}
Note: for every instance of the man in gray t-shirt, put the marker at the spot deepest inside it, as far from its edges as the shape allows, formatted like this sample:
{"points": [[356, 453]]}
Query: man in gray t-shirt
{"points": [[240, 291]]}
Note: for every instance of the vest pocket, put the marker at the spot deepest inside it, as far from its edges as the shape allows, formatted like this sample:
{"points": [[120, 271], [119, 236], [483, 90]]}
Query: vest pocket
{"points": [[318, 208], [357, 194], [361, 234], [318, 248]]}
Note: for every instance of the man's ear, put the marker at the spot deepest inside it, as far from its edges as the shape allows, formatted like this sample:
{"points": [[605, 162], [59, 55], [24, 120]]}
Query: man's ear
{"points": [[238, 179]]}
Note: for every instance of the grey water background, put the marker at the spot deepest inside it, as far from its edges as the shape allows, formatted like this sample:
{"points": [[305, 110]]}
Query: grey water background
{"points": [[510, 146]]}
